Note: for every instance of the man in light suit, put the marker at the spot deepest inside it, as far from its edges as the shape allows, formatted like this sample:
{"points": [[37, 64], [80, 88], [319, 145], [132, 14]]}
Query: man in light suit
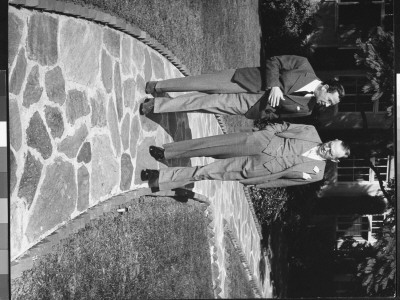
{"points": [[286, 87], [280, 155]]}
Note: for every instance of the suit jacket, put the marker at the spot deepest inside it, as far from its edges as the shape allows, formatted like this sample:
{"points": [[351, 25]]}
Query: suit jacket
{"points": [[277, 167], [267, 178], [289, 73]]}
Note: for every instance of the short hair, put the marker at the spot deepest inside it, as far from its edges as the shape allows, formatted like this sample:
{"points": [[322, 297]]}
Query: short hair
{"points": [[335, 86], [346, 148]]}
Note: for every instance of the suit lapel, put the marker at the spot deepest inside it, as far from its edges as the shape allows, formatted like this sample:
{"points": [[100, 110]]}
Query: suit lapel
{"points": [[303, 101], [255, 112], [302, 80], [300, 133], [310, 166]]}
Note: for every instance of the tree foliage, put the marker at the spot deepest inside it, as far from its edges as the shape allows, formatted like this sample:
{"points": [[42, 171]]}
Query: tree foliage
{"points": [[376, 54], [286, 26]]}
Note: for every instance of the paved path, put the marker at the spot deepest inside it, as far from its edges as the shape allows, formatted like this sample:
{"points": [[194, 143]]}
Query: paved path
{"points": [[76, 137]]}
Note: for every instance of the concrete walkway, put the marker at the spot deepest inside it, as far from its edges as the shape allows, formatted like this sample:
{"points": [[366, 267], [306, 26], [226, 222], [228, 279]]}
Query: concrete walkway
{"points": [[76, 137]]}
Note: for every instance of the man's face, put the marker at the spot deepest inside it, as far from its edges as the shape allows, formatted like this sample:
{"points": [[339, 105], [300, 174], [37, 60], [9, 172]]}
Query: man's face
{"points": [[326, 99], [332, 150]]}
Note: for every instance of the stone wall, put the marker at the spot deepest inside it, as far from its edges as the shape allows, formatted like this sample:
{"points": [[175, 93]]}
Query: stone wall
{"points": [[75, 88]]}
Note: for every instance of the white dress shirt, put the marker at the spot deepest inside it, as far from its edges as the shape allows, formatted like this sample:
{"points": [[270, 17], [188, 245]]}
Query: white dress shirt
{"points": [[310, 87], [312, 153]]}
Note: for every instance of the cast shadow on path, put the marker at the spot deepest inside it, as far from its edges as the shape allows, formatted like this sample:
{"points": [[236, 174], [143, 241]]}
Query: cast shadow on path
{"points": [[175, 125]]}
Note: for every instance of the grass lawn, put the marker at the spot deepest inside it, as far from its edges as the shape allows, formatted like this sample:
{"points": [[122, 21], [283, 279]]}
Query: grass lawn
{"points": [[158, 249], [205, 35]]}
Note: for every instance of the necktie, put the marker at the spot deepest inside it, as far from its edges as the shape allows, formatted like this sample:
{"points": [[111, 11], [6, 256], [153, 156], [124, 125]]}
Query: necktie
{"points": [[302, 93]]}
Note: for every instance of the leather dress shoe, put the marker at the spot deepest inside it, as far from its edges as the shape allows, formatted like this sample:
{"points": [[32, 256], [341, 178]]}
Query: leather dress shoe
{"points": [[147, 106], [150, 87], [149, 174], [157, 153]]}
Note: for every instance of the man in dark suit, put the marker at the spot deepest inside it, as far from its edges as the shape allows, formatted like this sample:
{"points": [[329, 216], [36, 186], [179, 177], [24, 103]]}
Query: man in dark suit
{"points": [[280, 155], [286, 87]]}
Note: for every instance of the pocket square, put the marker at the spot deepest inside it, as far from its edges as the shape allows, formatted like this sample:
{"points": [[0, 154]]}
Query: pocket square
{"points": [[316, 169]]}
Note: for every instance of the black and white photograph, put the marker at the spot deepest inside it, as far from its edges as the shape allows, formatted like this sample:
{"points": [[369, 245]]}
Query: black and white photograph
{"points": [[199, 149]]}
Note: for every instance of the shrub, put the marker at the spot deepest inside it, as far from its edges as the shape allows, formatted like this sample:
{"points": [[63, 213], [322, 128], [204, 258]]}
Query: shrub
{"points": [[375, 264], [286, 26], [287, 206], [378, 271], [269, 204]]}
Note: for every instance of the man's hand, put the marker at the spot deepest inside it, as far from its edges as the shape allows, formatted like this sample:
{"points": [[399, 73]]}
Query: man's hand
{"points": [[306, 176], [275, 95]]}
